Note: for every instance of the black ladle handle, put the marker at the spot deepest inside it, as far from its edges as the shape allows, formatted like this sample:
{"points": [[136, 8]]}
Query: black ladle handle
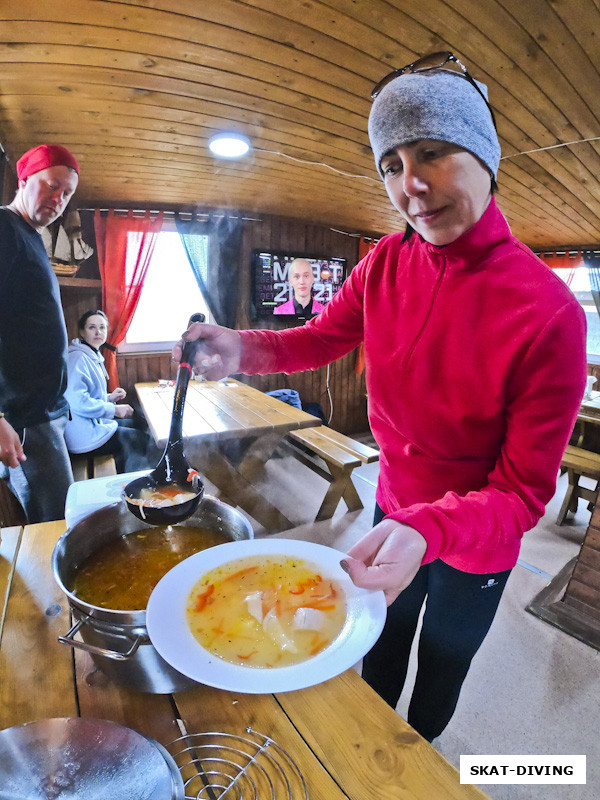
{"points": [[183, 378]]}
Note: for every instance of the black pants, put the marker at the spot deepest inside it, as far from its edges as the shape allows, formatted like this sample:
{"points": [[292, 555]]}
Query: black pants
{"points": [[459, 610], [132, 447]]}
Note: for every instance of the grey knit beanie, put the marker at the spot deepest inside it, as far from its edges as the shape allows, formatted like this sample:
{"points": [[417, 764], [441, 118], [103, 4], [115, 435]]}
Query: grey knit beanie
{"points": [[434, 105]]}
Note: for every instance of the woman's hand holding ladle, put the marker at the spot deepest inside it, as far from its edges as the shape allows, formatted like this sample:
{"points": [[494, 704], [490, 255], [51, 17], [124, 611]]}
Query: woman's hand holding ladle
{"points": [[219, 353]]}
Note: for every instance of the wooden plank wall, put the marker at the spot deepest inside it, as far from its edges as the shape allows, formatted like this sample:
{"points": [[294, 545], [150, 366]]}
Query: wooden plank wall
{"points": [[77, 297], [347, 390], [592, 431], [594, 369]]}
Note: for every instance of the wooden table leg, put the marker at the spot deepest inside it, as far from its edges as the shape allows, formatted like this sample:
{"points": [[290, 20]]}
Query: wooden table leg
{"points": [[240, 491], [351, 496], [257, 454], [340, 487], [571, 498]]}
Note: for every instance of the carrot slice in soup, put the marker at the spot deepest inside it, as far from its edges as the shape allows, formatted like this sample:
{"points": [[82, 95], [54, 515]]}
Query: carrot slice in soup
{"points": [[204, 597], [240, 573]]}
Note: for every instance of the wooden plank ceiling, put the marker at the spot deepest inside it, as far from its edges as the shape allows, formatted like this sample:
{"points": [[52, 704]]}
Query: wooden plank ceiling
{"points": [[136, 89]]}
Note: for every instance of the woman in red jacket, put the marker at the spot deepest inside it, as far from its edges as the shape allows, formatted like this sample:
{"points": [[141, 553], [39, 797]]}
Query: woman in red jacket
{"points": [[475, 365]]}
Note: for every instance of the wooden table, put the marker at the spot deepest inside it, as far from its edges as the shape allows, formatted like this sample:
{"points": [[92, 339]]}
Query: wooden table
{"points": [[347, 743], [219, 412], [589, 412]]}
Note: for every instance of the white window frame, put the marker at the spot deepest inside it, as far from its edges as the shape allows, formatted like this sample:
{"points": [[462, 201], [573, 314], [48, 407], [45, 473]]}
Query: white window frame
{"points": [[587, 303]]}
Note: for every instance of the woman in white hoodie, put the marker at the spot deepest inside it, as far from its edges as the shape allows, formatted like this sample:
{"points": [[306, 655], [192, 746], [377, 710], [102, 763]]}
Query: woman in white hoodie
{"points": [[97, 424]]}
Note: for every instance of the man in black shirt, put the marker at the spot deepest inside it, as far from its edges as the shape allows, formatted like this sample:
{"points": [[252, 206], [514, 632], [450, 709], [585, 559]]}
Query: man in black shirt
{"points": [[33, 337]]}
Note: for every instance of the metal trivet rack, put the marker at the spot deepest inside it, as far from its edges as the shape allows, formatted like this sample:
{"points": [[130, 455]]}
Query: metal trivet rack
{"points": [[236, 767]]}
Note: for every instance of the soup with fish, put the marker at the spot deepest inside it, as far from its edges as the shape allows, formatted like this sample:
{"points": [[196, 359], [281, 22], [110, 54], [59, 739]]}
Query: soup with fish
{"points": [[162, 497], [266, 611]]}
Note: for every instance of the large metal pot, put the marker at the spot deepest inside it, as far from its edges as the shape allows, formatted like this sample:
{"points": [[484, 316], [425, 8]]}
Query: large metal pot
{"points": [[118, 640]]}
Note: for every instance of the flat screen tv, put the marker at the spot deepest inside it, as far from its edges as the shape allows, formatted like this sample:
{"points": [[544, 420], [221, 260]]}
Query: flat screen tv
{"points": [[280, 277]]}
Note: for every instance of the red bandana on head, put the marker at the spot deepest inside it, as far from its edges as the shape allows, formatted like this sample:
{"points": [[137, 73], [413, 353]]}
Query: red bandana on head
{"points": [[43, 156]]}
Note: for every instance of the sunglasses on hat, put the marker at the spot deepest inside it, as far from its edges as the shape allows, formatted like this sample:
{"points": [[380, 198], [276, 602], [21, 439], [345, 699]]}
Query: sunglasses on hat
{"points": [[441, 60]]}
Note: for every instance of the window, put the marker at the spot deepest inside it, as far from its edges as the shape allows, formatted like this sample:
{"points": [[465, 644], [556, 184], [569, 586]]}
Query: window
{"points": [[579, 282], [169, 297]]}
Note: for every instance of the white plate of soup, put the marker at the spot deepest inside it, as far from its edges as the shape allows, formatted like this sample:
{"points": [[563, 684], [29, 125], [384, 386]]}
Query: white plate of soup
{"points": [[263, 616]]}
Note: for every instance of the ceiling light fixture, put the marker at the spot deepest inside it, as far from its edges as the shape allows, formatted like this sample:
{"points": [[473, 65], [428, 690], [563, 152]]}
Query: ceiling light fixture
{"points": [[229, 145]]}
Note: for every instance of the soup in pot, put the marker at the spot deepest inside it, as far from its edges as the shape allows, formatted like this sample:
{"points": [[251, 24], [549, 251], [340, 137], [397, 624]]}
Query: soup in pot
{"points": [[122, 573], [268, 611]]}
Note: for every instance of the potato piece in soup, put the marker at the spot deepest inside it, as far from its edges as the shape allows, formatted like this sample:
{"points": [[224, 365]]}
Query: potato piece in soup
{"points": [[266, 611]]}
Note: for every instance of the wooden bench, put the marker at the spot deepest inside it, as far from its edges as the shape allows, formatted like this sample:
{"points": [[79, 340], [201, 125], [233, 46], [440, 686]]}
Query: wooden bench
{"points": [[341, 455], [87, 466], [579, 463]]}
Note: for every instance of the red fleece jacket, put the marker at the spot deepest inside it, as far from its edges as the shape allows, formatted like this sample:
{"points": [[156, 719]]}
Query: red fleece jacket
{"points": [[476, 364]]}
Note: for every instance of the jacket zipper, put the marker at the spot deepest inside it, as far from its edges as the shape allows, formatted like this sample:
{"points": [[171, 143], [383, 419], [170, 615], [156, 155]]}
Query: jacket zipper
{"points": [[415, 341]]}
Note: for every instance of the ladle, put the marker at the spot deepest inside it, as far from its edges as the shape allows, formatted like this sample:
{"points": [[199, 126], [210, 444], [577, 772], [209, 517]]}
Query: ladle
{"points": [[173, 469]]}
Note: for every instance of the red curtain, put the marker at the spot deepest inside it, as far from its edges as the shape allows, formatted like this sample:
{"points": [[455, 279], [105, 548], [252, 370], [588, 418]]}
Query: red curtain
{"points": [[121, 292], [364, 246]]}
